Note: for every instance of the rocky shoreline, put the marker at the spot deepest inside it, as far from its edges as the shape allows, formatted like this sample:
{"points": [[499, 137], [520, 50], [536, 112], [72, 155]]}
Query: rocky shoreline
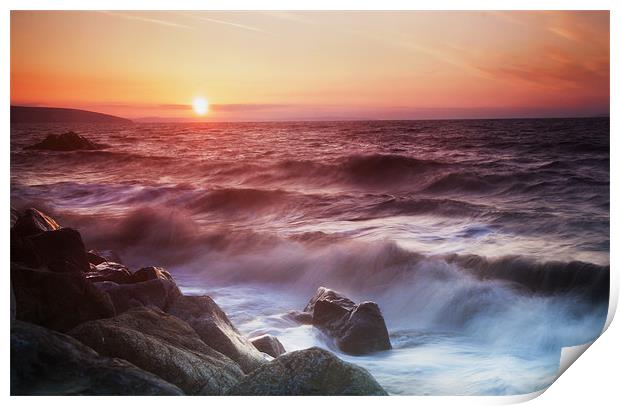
{"points": [[82, 323]]}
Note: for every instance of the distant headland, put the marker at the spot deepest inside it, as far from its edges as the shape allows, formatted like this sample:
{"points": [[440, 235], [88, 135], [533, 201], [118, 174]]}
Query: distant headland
{"points": [[22, 114]]}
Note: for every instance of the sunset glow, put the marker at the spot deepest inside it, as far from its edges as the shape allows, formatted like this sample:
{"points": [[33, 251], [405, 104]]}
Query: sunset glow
{"points": [[200, 105], [313, 65]]}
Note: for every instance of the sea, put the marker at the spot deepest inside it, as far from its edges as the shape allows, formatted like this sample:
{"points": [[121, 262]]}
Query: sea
{"points": [[485, 243]]}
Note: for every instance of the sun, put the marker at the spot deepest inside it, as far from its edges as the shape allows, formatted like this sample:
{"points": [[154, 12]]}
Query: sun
{"points": [[200, 105]]}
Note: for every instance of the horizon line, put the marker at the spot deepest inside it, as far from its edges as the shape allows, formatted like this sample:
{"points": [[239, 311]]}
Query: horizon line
{"points": [[172, 120]]}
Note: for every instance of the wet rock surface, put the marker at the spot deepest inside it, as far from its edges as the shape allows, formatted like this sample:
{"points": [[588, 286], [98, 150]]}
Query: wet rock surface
{"points": [[31, 221], [356, 328], [44, 362], [215, 329], [158, 293], [164, 345], [269, 345], [57, 300], [312, 372], [109, 271]]}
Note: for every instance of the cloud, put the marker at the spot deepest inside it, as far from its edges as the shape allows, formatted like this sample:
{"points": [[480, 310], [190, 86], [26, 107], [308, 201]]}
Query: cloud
{"points": [[560, 74], [156, 21], [229, 23]]}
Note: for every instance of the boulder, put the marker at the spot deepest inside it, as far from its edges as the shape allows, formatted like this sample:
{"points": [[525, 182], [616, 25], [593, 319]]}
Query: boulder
{"points": [[298, 317], [95, 258], [31, 222], [60, 250], [151, 273], [356, 328], [56, 300], [268, 344], [310, 372], [215, 329], [109, 271], [152, 286], [164, 345], [44, 362], [68, 141]]}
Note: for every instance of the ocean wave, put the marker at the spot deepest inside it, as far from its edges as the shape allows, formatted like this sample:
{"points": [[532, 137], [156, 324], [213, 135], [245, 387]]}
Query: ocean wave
{"points": [[247, 200], [427, 293], [345, 262], [490, 298], [381, 207], [383, 168]]}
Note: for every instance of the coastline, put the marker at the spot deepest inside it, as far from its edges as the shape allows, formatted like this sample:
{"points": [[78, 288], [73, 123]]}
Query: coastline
{"points": [[138, 334]]}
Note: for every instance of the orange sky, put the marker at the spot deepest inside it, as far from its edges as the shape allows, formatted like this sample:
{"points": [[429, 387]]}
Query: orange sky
{"points": [[313, 65]]}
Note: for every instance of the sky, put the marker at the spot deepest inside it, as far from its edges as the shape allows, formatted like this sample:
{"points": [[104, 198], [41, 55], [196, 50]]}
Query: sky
{"points": [[257, 65]]}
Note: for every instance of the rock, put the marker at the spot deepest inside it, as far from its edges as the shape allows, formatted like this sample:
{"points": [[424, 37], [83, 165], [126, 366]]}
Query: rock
{"points": [[37, 240], [56, 300], [68, 141], [94, 257], [152, 286], [151, 273], [215, 329], [13, 309], [357, 329], [44, 362], [269, 345], [298, 317], [60, 250], [331, 296], [110, 255], [159, 293], [98, 257], [164, 345], [109, 271], [308, 372], [32, 222], [14, 216]]}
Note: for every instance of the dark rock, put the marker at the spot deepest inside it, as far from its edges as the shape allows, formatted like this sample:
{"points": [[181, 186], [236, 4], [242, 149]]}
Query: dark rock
{"points": [[37, 240], [68, 141], [32, 222], [152, 286], [14, 216], [109, 271], [269, 345], [60, 250], [308, 372], [13, 304], [331, 296], [164, 345], [44, 362], [215, 329], [95, 258], [298, 317], [111, 256], [57, 300], [151, 273], [158, 292], [357, 329]]}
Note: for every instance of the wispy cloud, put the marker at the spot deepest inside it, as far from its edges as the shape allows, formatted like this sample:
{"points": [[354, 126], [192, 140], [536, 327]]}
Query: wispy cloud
{"points": [[132, 16], [229, 23]]}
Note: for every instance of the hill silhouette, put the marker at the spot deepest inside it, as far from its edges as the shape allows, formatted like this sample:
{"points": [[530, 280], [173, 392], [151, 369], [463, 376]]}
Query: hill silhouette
{"points": [[22, 114]]}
